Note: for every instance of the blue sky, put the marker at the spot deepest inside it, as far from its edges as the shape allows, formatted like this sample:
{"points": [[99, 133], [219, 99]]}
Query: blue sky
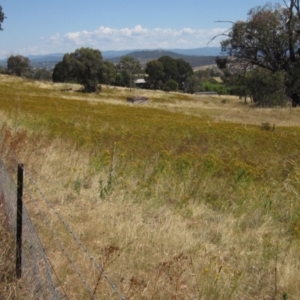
{"points": [[60, 26]]}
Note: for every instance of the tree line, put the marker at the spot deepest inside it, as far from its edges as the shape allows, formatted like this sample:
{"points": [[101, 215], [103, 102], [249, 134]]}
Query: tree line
{"points": [[19, 65], [87, 67]]}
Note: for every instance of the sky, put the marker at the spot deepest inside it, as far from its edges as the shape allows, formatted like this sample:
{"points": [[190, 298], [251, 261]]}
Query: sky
{"points": [[37, 27]]}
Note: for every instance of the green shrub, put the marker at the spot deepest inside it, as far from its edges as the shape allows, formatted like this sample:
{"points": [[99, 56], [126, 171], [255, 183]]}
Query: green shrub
{"points": [[171, 85]]}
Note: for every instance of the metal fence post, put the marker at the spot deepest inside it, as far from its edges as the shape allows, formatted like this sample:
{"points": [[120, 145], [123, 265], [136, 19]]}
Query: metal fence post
{"points": [[19, 222]]}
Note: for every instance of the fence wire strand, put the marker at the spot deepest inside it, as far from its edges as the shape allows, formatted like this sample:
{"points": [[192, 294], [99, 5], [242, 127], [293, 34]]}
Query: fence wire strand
{"points": [[80, 244], [33, 245], [63, 249]]}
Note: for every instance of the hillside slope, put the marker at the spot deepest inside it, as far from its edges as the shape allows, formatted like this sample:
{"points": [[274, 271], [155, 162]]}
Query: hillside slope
{"points": [[183, 197]]}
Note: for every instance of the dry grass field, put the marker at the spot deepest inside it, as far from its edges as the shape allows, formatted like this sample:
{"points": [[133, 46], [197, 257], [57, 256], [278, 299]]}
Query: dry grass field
{"points": [[183, 197], [8, 285]]}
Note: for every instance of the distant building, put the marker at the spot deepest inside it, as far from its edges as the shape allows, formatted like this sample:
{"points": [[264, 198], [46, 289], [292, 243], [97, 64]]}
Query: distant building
{"points": [[140, 83]]}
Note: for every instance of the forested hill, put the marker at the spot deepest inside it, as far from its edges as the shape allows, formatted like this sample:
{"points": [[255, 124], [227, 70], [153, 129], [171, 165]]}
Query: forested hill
{"points": [[146, 55]]}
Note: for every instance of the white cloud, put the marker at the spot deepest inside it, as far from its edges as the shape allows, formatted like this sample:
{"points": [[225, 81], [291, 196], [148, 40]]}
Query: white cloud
{"points": [[106, 38]]}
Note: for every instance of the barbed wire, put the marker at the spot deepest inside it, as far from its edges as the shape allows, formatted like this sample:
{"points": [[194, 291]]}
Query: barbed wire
{"points": [[34, 254], [84, 249], [57, 278], [31, 228], [44, 219], [68, 228]]}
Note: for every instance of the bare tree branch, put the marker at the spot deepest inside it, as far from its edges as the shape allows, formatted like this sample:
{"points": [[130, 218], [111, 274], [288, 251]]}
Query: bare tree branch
{"points": [[225, 22], [221, 34]]}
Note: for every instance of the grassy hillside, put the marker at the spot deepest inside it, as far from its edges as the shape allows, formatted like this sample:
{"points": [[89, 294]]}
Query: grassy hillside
{"points": [[186, 197]]}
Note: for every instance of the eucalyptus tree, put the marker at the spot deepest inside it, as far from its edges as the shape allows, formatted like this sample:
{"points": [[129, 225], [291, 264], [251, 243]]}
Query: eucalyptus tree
{"points": [[84, 66], [128, 67], [108, 73], [155, 71], [184, 72], [170, 68], [269, 39], [62, 72], [166, 70], [18, 65]]}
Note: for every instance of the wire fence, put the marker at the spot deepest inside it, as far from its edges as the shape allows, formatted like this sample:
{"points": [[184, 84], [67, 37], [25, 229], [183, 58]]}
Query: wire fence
{"points": [[55, 262], [35, 267]]}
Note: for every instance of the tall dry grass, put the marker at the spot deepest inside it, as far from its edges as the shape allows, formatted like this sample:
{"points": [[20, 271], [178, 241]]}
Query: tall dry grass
{"points": [[11, 288], [172, 201]]}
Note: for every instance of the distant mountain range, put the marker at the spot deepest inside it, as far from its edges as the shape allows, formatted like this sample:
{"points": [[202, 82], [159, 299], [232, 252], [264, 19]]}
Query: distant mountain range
{"points": [[205, 51], [196, 57]]}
